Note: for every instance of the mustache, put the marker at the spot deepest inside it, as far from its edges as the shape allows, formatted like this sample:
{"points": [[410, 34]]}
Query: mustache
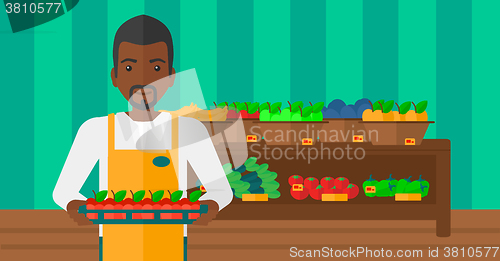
{"points": [[141, 87]]}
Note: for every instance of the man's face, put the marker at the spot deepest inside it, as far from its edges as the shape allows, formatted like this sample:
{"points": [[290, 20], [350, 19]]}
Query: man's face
{"points": [[143, 75]]}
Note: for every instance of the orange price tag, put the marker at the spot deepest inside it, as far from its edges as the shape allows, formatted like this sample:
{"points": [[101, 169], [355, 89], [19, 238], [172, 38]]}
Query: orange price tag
{"points": [[307, 141], [370, 189], [357, 138], [251, 138], [298, 187], [410, 141], [202, 188]]}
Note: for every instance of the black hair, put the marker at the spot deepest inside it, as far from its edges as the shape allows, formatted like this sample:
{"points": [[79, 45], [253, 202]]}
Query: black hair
{"points": [[143, 30]]}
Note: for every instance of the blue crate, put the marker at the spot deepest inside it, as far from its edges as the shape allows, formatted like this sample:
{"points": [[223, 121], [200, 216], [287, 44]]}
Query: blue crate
{"points": [[129, 221]]}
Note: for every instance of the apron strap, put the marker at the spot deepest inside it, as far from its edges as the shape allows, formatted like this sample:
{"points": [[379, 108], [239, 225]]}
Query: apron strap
{"points": [[111, 132]]}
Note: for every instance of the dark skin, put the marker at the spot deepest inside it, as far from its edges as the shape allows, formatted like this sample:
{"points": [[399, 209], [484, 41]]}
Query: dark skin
{"points": [[142, 65]]}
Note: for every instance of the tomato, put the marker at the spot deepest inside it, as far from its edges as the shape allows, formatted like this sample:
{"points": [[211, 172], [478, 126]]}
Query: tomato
{"points": [[327, 182], [352, 191], [341, 182], [299, 195], [311, 183], [295, 179], [316, 193]]}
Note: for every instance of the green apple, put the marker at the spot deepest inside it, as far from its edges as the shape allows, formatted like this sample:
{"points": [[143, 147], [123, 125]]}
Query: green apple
{"points": [[317, 116], [285, 115], [296, 116], [265, 115], [275, 116], [306, 113]]}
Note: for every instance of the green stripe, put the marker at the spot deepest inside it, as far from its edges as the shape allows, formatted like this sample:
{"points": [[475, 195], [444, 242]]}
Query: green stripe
{"points": [[344, 52], [235, 51], [272, 50], [454, 83], [168, 12], [90, 79], [199, 44], [119, 11], [53, 99], [16, 178], [308, 50], [417, 55], [485, 93], [380, 49]]}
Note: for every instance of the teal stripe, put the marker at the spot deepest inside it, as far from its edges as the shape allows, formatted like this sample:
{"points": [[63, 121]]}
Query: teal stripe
{"points": [[198, 44], [235, 51], [308, 50], [119, 11], [90, 79], [344, 50], [53, 105], [485, 93], [417, 55], [168, 12], [380, 49], [454, 83], [17, 174], [272, 50]]}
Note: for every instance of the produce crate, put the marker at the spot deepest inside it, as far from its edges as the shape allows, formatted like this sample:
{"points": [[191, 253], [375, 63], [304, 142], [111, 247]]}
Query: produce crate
{"points": [[156, 220], [344, 128], [396, 132], [292, 131]]}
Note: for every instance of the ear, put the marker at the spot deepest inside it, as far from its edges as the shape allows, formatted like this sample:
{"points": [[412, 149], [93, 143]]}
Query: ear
{"points": [[171, 78], [113, 77]]}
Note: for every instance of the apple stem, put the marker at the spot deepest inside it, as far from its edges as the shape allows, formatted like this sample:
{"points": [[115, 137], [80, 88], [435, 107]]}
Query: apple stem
{"points": [[300, 111], [113, 194], [381, 107], [235, 109], [398, 107], [269, 104], [151, 194], [311, 105], [279, 109], [215, 105], [247, 106], [169, 193], [227, 105], [95, 196], [371, 104], [414, 106], [289, 104], [132, 194]]}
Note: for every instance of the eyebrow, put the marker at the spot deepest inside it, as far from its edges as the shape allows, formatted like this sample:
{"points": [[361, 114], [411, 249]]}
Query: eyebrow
{"points": [[129, 60], [156, 60]]}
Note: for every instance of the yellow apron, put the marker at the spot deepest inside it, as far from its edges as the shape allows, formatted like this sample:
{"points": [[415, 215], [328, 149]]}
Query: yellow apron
{"points": [[134, 170]]}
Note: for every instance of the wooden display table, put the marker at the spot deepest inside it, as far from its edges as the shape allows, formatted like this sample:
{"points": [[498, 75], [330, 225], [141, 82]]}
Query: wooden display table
{"points": [[431, 159]]}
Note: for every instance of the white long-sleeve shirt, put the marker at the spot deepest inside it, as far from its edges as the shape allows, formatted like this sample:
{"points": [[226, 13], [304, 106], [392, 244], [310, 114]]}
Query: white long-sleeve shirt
{"points": [[91, 145]]}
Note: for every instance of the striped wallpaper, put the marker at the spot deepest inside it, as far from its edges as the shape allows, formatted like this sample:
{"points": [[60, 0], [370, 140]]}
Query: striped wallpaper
{"points": [[443, 51]]}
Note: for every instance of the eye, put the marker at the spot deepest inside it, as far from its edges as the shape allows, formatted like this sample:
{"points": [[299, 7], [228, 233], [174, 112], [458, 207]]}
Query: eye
{"points": [[129, 68], [157, 68]]}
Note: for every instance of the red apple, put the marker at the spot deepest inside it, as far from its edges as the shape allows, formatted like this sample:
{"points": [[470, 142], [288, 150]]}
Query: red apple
{"points": [[254, 115], [177, 206], [137, 206], [244, 114], [148, 215], [166, 215], [119, 206], [194, 215]]}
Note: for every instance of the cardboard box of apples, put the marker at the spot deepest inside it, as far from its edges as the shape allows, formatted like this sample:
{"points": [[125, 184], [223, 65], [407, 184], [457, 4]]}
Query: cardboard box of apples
{"points": [[403, 126], [326, 189], [141, 210]]}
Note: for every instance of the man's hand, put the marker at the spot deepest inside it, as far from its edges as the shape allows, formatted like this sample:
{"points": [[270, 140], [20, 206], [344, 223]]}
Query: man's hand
{"points": [[213, 210], [79, 218]]}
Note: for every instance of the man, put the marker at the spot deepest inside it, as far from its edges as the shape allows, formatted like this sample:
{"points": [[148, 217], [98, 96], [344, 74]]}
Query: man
{"points": [[143, 57]]}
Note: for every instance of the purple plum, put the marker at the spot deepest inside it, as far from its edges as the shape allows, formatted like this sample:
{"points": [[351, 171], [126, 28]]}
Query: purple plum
{"points": [[348, 112], [331, 114], [362, 108], [336, 105]]}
